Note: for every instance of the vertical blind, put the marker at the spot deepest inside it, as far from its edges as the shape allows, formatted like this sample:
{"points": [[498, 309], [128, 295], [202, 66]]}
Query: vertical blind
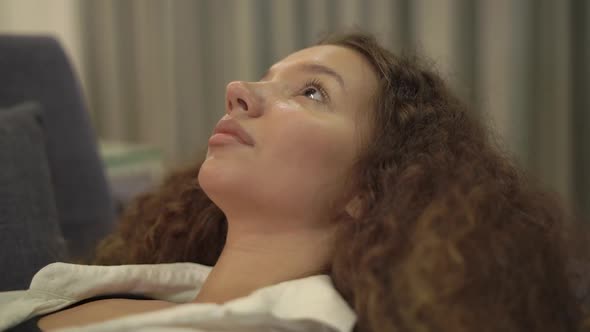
{"points": [[155, 70]]}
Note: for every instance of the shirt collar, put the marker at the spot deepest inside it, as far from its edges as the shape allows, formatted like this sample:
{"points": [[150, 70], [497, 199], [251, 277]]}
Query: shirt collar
{"points": [[311, 297]]}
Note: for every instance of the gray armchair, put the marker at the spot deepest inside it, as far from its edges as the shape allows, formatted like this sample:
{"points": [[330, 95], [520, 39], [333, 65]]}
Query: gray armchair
{"points": [[54, 199]]}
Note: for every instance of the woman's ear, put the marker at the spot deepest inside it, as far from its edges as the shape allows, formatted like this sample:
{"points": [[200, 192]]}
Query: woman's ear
{"points": [[353, 208]]}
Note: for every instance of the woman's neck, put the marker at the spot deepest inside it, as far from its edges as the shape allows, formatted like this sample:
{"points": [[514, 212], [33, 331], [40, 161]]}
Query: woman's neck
{"points": [[252, 261]]}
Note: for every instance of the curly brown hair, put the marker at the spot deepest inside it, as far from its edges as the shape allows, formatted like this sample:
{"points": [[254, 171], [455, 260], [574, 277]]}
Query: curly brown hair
{"points": [[449, 235]]}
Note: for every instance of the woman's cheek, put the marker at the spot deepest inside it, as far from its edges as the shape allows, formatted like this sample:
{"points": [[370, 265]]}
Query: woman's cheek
{"points": [[299, 134], [307, 142], [286, 106]]}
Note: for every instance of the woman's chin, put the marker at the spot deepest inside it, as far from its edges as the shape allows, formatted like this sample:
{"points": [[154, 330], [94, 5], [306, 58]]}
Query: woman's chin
{"points": [[217, 181]]}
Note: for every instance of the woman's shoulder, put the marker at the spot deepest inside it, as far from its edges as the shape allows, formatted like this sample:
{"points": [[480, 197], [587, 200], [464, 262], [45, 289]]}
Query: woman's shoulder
{"points": [[310, 298], [99, 311], [60, 285]]}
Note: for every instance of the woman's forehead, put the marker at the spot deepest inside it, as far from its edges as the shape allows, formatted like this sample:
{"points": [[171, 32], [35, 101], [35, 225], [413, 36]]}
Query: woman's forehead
{"points": [[347, 63]]}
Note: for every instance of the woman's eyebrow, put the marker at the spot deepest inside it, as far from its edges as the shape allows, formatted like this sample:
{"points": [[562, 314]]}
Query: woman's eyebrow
{"points": [[312, 68]]}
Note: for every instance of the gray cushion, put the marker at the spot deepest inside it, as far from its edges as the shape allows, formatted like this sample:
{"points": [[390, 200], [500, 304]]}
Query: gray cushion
{"points": [[36, 68], [30, 237]]}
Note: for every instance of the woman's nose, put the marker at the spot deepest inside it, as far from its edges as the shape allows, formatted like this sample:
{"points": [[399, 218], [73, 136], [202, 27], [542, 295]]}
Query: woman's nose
{"points": [[239, 96]]}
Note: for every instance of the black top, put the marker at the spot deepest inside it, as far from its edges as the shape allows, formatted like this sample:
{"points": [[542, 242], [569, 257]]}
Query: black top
{"points": [[30, 325]]}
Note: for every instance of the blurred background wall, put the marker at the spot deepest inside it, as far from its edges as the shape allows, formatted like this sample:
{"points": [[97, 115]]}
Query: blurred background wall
{"points": [[154, 71]]}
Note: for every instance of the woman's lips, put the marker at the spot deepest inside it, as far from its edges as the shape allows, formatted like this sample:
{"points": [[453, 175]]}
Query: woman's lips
{"points": [[224, 138], [229, 130]]}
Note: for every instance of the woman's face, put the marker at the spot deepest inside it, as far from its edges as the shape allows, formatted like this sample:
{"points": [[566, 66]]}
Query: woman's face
{"points": [[306, 118]]}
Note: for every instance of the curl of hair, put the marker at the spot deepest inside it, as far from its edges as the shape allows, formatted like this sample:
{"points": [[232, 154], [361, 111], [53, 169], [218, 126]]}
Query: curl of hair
{"points": [[175, 223], [450, 236]]}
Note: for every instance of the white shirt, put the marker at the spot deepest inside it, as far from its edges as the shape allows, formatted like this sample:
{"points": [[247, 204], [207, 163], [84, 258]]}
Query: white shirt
{"points": [[307, 304]]}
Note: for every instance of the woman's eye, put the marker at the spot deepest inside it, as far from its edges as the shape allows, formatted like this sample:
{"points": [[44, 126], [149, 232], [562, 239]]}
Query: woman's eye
{"points": [[313, 93]]}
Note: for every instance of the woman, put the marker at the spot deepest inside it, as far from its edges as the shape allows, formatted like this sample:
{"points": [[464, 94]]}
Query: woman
{"points": [[345, 161]]}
